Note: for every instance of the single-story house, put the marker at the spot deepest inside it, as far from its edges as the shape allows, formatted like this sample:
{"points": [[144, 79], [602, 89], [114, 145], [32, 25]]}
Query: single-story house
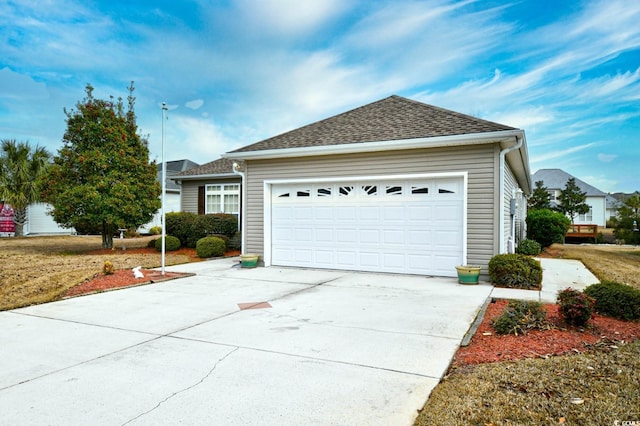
{"points": [[39, 221], [392, 186], [555, 180], [172, 190], [213, 187]]}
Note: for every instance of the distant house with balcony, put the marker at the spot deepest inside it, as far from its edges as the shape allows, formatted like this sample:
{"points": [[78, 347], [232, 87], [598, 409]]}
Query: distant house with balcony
{"points": [[601, 205]]}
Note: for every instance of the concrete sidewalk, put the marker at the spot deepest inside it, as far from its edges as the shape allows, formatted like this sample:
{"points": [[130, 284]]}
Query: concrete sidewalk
{"points": [[327, 347], [557, 274]]}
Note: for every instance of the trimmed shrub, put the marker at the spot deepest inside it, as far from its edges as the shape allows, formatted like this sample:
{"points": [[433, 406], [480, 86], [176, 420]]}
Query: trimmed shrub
{"points": [[529, 247], [515, 271], [155, 230], [171, 243], [223, 238], [210, 247], [152, 243], [547, 226], [521, 316], [616, 300], [575, 306], [190, 227]]}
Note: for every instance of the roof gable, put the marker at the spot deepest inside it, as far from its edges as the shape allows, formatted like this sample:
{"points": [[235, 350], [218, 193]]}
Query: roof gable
{"points": [[221, 166], [557, 179], [392, 118]]}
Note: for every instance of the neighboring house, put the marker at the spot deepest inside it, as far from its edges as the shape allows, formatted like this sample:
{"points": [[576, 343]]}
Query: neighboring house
{"points": [[211, 188], [172, 190], [612, 207], [555, 181], [393, 186], [39, 221]]}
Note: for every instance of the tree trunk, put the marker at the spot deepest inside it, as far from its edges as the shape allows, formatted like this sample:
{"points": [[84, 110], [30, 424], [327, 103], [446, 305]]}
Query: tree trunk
{"points": [[19, 218], [107, 235]]}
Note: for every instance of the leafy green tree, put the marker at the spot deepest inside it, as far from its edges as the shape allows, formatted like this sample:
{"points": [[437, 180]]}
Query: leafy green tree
{"points": [[540, 199], [102, 175], [21, 168], [628, 219], [572, 200], [547, 226]]}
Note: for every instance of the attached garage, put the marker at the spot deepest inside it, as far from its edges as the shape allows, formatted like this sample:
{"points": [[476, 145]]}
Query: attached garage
{"points": [[413, 225], [393, 186]]}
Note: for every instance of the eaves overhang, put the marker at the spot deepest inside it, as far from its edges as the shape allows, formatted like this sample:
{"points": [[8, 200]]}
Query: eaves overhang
{"points": [[204, 176], [503, 136]]}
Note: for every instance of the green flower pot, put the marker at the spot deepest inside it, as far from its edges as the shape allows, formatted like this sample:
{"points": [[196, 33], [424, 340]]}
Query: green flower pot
{"points": [[249, 260], [468, 274]]}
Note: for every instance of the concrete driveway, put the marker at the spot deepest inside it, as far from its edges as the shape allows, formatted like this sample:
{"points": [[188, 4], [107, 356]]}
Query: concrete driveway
{"points": [[230, 346]]}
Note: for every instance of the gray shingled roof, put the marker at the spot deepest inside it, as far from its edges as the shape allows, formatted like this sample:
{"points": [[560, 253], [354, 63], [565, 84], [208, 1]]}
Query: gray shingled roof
{"points": [[174, 167], [221, 166], [557, 179], [392, 118]]}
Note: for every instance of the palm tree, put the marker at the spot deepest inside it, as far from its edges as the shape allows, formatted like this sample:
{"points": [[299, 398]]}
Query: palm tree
{"points": [[20, 171]]}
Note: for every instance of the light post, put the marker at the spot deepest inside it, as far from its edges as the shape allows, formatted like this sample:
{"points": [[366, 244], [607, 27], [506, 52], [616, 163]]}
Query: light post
{"points": [[164, 188]]}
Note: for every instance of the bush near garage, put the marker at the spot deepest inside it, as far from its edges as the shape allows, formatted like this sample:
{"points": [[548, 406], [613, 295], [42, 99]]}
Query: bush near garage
{"points": [[547, 226], [210, 247], [152, 243], [521, 316], [616, 300], [171, 243], [190, 227], [575, 307], [529, 247], [515, 271]]}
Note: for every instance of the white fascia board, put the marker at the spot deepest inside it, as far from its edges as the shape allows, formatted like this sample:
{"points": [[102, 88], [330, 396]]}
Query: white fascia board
{"points": [[393, 145], [203, 177]]}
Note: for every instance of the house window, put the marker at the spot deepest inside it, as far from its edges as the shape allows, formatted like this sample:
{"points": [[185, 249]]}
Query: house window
{"points": [[552, 195], [588, 217], [222, 199]]}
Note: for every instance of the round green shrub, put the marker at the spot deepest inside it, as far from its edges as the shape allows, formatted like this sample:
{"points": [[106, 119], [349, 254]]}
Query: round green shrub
{"points": [[210, 247], [171, 243], [575, 306], [152, 243], [155, 230], [529, 247], [223, 238], [616, 300], [547, 226], [515, 271], [521, 316]]}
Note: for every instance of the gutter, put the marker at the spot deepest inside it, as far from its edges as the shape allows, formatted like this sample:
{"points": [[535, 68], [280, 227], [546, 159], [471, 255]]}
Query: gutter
{"points": [[243, 222], [202, 176], [503, 154], [350, 148]]}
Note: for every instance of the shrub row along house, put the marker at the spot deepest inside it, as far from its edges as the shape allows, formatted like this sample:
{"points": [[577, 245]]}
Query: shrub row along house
{"points": [[393, 186]]}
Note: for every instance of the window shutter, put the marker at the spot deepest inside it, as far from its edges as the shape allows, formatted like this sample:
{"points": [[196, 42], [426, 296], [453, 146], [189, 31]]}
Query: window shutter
{"points": [[201, 200]]}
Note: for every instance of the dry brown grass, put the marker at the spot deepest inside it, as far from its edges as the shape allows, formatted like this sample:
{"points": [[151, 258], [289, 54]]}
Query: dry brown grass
{"points": [[40, 269], [540, 391], [607, 262]]}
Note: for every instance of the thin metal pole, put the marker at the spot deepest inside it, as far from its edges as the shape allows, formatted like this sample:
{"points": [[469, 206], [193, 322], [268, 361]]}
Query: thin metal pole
{"points": [[164, 189]]}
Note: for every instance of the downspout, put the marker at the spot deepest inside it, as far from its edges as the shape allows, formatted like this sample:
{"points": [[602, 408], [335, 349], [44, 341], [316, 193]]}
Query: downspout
{"points": [[243, 222], [503, 154]]}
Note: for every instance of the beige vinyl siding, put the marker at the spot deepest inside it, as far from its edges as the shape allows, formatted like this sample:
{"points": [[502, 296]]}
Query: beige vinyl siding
{"points": [[478, 161], [189, 194]]}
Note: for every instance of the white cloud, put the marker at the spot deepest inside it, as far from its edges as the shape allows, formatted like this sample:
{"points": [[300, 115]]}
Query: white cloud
{"points": [[14, 85], [607, 158], [194, 104], [560, 154]]}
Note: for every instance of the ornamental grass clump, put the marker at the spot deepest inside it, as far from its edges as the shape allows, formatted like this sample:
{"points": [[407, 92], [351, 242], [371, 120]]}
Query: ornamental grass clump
{"points": [[108, 268], [515, 271], [575, 307], [521, 316]]}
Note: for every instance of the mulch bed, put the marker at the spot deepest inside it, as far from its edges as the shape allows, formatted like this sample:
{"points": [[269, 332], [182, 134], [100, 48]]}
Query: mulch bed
{"points": [[124, 278], [486, 346]]}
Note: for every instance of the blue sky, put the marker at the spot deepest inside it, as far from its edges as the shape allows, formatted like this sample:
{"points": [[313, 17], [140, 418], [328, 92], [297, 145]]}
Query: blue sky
{"points": [[234, 72]]}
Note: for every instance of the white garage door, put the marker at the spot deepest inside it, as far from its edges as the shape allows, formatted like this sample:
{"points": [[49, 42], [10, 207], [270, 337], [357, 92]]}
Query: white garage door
{"points": [[411, 226]]}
